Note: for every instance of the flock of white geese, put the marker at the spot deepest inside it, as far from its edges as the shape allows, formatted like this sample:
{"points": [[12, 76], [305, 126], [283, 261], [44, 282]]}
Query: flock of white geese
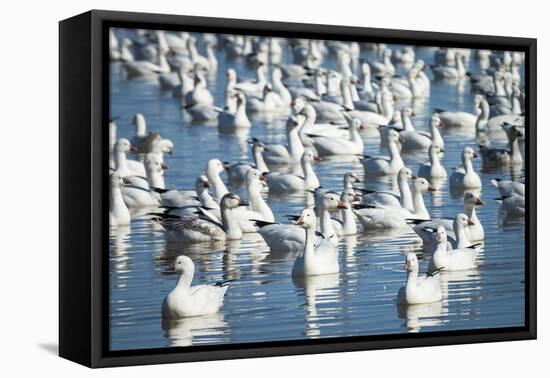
{"points": [[327, 110]]}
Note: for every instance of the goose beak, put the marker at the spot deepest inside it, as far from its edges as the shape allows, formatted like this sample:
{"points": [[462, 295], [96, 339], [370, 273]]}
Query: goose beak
{"points": [[126, 180], [475, 156], [341, 205], [317, 158], [407, 265], [432, 188], [164, 166], [243, 203], [133, 148], [414, 177], [206, 184], [479, 201], [470, 222], [356, 198], [401, 140], [300, 220]]}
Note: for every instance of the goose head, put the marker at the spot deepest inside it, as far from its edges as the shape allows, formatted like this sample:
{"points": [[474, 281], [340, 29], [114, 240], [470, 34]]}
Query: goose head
{"points": [[394, 137], [214, 167], [165, 146], [307, 218], [153, 164], [140, 126], [513, 132], [297, 105], [365, 69], [441, 235], [254, 179], [116, 180], [332, 202], [231, 75], [462, 221], [184, 265], [421, 185], [309, 157], [468, 154], [123, 145], [435, 120], [258, 145], [411, 263], [434, 150], [350, 178], [201, 184], [348, 197], [356, 124], [406, 112], [471, 200], [406, 174], [231, 201]]}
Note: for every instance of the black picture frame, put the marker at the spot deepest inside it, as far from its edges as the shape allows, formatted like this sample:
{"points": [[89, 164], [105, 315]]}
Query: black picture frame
{"points": [[83, 196]]}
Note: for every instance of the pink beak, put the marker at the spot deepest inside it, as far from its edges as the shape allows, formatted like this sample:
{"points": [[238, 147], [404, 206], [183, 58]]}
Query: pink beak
{"points": [[164, 166]]}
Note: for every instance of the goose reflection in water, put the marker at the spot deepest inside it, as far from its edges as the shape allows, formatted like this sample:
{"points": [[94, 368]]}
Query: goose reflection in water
{"points": [[208, 328]]}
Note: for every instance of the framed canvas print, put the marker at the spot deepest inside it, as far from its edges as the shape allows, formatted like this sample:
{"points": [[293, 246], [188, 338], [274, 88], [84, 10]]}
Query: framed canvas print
{"points": [[234, 188]]}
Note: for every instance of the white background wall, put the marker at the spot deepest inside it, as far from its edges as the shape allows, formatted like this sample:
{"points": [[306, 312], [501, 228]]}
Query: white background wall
{"points": [[29, 188]]}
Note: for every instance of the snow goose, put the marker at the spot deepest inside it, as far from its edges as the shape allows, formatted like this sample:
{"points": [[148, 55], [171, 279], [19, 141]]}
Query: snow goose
{"points": [[460, 119], [228, 121], [418, 290], [465, 177], [327, 146], [513, 205], [316, 259], [138, 195], [193, 229], [145, 68], [118, 212], [504, 157], [183, 202], [351, 178], [200, 95], [190, 301], [124, 166], [473, 230], [449, 72], [493, 125], [279, 154], [289, 183], [213, 169], [257, 209], [236, 172], [291, 238], [280, 88], [507, 188], [456, 259], [346, 225], [433, 168], [270, 102], [413, 139], [384, 67], [253, 87], [375, 218], [387, 199], [207, 63], [382, 166]]}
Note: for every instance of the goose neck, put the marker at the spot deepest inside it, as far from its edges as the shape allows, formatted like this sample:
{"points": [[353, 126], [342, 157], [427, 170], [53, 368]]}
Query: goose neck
{"points": [[259, 160], [230, 225], [185, 279], [420, 210], [405, 194], [219, 187]]}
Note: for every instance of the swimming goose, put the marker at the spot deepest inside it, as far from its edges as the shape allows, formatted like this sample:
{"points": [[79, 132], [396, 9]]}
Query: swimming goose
{"points": [[413, 139], [449, 72], [327, 146], [200, 95], [418, 290], [460, 119], [228, 121], [376, 218], [433, 168], [346, 225], [465, 176], [351, 178], [291, 238], [189, 301], [278, 154], [236, 172], [193, 229], [289, 183], [138, 196], [208, 63], [270, 102], [450, 260], [500, 156], [473, 230], [118, 212], [124, 166], [507, 188], [145, 68], [213, 169], [315, 259], [184, 202], [513, 205], [385, 67], [258, 209], [387, 199], [382, 166], [493, 125], [252, 87], [280, 88]]}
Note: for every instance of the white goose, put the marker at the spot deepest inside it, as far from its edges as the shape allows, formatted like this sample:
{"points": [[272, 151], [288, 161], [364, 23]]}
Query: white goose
{"points": [[327, 146], [347, 224], [200, 95], [118, 212], [279, 154], [145, 68], [381, 166], [473, 230], [373, 218], [387, 199], [433, 168], [507, 188], [184, 202], [456, 259], [289, 183], [201, 229], [316, 259], [465, 177], [460, 119], [236, 172], [189, 301], [252, 87], [213, 169], [124, 166], [418, 290], [385, 67], [413, 139], [450, 72], [139, 196], [257, 209], [229, 121], [513, 205], [504, 157], [270, 103]]}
